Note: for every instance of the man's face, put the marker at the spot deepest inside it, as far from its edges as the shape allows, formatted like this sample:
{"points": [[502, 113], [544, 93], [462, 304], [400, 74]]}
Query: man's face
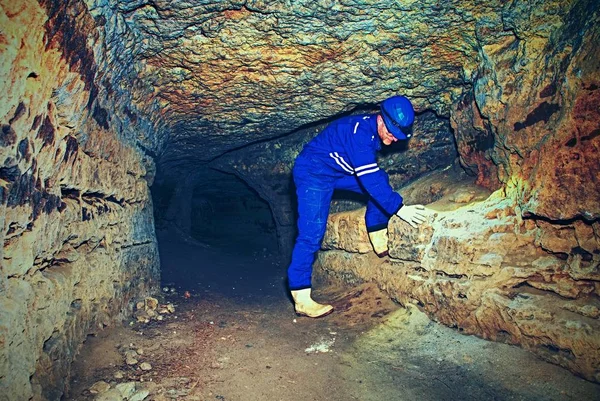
{"points": [[383, 132]]}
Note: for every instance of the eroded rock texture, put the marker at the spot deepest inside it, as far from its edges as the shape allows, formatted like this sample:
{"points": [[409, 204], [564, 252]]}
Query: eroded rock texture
{"points": [[76, 216], [95, 91], [482, 269], [522, 266]]}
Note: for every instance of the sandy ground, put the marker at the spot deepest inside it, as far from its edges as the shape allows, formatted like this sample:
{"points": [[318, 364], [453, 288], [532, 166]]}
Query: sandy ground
{"points": [[236, 338]]}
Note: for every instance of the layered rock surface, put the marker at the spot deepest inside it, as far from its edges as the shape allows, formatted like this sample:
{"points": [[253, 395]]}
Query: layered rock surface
{"points": [[96, 90], [485, 270], [75, 211]]}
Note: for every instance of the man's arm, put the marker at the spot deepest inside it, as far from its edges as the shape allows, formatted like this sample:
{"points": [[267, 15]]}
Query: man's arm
{"points": [[376, 181], [373, 179]]}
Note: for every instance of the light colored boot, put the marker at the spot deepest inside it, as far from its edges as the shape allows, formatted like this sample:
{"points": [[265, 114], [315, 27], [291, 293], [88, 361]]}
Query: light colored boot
{"points": [[379, 240], [306, 306]]}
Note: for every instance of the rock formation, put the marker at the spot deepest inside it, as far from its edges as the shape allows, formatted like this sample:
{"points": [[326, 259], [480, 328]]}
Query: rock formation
{"points": [[76, 215], [485, 270], [99, 97]]}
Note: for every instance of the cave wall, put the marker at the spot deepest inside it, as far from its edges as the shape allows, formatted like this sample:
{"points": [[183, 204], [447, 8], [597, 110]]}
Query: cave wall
{"points": [[537, 91], [481, 269], [523, 266], [93, 90], [75, 211]]}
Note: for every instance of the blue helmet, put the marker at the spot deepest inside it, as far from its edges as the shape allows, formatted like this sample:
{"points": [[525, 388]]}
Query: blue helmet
{"points": [[398, 114]]}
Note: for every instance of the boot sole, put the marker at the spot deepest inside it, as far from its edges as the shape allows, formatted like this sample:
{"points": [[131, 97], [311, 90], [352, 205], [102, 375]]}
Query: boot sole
{"points": [[300, 314]]}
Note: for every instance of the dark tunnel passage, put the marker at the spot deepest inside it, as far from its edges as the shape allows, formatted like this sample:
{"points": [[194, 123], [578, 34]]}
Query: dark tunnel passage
{"points": [[217, 237], [235, 216], [148, 210], [217, 209]]}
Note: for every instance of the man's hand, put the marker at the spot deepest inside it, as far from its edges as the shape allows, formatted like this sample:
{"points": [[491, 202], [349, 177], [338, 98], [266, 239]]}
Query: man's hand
{"points": [[413, 215]]}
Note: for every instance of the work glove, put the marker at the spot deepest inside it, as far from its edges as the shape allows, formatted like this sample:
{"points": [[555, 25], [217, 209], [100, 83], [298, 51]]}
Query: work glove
{"points": [[413, 215]]}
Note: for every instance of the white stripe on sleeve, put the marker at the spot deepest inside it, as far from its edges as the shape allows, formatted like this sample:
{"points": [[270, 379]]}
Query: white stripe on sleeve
{"points": [[366, 166], [341, 162], [356, 127], [367, 171]]}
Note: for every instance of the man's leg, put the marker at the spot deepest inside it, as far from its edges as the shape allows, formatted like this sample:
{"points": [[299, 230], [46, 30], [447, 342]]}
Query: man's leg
{"points": [[313, 209], [376, 219]]}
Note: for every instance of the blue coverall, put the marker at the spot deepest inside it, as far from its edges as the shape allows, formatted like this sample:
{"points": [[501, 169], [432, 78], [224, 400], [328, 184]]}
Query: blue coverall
{"points": [[342, 156]]}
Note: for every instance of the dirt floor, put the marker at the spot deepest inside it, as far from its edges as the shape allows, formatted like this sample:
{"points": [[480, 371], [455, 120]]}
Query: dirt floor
{"points": [[233, 336]]}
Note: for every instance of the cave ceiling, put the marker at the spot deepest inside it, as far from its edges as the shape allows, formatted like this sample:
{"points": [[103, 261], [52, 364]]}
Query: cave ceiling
{"points": [[229, 73]]}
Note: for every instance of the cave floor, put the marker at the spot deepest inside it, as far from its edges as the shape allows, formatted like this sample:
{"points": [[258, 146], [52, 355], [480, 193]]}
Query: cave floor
{"points": [[236, 337]]}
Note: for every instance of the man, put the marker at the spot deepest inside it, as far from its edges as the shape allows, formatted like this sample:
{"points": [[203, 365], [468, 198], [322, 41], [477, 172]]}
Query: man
{"points": [[343, 156]]}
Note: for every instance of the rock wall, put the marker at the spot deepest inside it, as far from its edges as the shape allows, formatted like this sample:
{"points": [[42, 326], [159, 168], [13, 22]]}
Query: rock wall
{"points": [[523, 266], [537, 92], [483, 270], [75, 212]]}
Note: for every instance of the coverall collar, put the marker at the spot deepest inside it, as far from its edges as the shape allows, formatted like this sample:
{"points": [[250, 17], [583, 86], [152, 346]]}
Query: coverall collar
{"points": [[373, 125]]}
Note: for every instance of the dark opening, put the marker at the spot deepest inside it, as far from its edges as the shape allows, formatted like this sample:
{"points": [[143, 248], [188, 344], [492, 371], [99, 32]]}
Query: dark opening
{"points": [[226, 212], [218, 210]]}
